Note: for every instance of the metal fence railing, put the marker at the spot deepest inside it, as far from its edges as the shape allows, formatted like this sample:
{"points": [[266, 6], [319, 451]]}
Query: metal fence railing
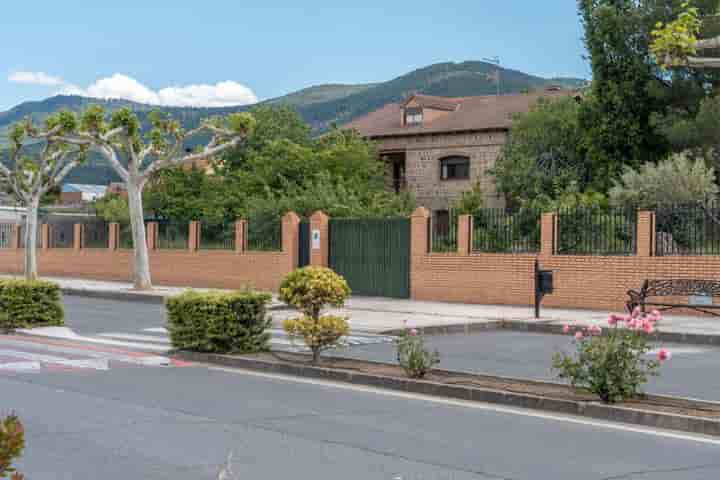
{"points": [[263, 235], [62, 234], [6, 231], [597, 231], [173, 235], [96, 234], [125, 238], [497, 230], [687, 230], [443, 232], [215, 236]]}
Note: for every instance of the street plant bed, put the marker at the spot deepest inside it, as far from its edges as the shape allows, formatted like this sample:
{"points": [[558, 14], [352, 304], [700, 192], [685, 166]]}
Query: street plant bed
{"points": [[519, 392]]}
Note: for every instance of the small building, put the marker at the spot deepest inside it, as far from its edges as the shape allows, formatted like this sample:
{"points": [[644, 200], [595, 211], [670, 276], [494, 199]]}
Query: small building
{"points": [[439, 147], [76, 193]]}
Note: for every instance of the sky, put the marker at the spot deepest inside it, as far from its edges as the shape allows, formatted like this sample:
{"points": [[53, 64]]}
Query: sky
{"points": [[233, 52]]}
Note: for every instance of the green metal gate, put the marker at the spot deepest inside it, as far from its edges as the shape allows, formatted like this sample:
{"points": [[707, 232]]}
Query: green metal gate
{"points": [[373, 255]]}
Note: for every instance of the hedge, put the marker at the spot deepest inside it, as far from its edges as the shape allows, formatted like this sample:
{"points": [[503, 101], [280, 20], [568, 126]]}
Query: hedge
{"points": [[27, 304], [218, 322]]}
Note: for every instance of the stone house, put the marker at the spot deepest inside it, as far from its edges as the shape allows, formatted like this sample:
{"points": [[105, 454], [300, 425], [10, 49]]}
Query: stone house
{"points": [[439, 147]]}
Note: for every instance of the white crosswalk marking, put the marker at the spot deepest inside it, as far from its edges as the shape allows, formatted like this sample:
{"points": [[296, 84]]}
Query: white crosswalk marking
{"points": [[157, 337]]}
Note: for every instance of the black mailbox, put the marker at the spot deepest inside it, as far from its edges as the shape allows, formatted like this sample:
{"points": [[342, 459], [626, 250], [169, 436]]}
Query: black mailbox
{"points": [[544, 285], [545, 281]]}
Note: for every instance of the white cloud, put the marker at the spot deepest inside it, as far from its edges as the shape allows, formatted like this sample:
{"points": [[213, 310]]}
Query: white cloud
{"points": [[35, 78], [119, 86]]}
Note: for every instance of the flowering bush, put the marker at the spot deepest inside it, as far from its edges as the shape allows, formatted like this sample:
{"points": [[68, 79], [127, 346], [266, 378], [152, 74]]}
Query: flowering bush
{"points": [[321, 334], [412, 355], [613, 364], [12, 443]]}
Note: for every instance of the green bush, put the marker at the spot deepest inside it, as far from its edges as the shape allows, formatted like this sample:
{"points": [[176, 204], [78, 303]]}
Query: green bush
{"points": [[309, 289], [27, 304], [218, 322], [412, 355]]}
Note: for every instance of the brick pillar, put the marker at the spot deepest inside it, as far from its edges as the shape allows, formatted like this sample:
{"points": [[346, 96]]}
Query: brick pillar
{"points": [[319, 225], [290, 236], [194, 236], [645, 233], [419, 221], [44, 236], [113, 236], [15, 241], [151, 235], [464, 234], [78, 230], [240, 243], [548, 234]]}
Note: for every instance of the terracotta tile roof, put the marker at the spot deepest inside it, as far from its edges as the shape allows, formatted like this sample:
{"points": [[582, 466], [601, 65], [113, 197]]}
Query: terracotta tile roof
{"points": [[472, 114], [438, 103]]}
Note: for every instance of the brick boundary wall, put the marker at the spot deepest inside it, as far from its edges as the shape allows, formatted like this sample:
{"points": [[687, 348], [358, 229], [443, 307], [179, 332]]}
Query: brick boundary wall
{"points": [[191, 267], [594, 282]]}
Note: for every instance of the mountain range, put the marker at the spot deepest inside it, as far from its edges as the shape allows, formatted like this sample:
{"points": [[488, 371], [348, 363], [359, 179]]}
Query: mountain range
{"points": [[321, 106]]}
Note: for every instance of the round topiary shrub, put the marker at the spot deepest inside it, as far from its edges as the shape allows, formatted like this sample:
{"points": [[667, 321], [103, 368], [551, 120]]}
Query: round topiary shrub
{"points": [[310, 289]]}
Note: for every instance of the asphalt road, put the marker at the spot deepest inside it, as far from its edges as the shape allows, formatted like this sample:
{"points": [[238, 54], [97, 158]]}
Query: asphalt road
{"points": [[691, 373], [182, 423]]}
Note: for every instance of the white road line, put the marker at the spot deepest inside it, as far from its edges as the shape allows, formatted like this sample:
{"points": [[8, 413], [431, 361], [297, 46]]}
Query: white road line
{"points": [[149, 360], [21, 366], [156, 330], [95, 364], [479, 406], [140, 338]]}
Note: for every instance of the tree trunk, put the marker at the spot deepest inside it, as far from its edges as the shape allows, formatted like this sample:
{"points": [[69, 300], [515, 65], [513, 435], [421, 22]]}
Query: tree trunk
{"points": [[31, 224], [142, 280]]}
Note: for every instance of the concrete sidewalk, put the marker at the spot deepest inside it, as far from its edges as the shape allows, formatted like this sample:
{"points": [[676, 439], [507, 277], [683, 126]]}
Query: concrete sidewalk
{"points": [[383, 314]]}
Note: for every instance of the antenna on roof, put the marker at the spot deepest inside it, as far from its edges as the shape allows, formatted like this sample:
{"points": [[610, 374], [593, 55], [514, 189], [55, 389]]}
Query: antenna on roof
{"points": [[496, 77]]}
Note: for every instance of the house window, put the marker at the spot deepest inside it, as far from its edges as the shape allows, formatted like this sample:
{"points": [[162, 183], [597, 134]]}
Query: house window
{"points": [[455, 168], [413, 116]]}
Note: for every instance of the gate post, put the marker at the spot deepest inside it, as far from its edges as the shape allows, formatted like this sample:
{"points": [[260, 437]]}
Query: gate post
{"points": [[319, 245], [464, 234], [645, 233], [548, 234], [419, 221], [290, 233]]}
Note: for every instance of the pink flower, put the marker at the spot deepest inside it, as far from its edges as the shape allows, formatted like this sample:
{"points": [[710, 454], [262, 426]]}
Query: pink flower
{"points": [[413, 332], [566, 329], [579, 335], [648, 327], [632, 323], [664, 354], [636, 312], [613, 320], [595, 330]]}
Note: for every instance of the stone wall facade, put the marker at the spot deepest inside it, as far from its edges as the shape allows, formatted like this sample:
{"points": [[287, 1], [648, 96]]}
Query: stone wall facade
{"points": [[422, 164]]}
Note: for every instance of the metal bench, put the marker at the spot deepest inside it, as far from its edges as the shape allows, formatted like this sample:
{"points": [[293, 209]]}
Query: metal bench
{"points": [[700, 295]]}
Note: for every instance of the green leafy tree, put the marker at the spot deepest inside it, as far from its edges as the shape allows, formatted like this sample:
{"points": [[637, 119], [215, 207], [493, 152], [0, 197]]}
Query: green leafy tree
{"points": [[544, 150], [38, 164], [113, 208], [616, 116], [120, 136], [470, 201], [677, 180]]}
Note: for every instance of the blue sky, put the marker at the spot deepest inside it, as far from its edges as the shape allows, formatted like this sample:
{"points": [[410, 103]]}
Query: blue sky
{"points": [[233, 51]]}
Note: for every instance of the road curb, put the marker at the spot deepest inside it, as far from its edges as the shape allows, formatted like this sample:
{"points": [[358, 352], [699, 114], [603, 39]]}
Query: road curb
{"points": [[552, 329], [595, 410], [129, 296]]}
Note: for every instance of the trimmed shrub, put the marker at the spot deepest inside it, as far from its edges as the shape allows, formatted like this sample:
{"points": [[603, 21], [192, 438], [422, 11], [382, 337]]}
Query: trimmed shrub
{"points": [[27, 304], [318, 335], [219, 322], [309, 289]]}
